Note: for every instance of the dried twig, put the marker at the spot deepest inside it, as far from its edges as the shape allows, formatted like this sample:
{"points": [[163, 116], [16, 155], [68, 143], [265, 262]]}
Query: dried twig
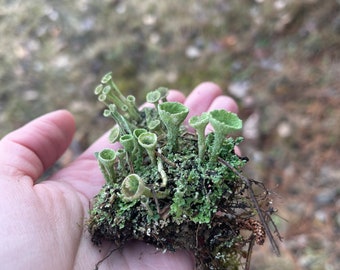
{"points": [[257, 207], [106, 256]]}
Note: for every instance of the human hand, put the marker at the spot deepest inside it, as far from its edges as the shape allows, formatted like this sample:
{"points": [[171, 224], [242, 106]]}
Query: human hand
{"points": [[42, 224]]}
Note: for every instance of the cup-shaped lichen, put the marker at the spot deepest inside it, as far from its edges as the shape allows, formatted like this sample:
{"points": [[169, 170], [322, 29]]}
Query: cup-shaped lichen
{"points": [[98, 89], [131, 107], [223, 123], [111, 93], [106, 159], [155, 126], [153, 97], [114, 134], [172, 115], [199, 123], [121, 156], [138, 131], [148, 141], [159, 191], [127, 141], [133, 187], [163, 91], [108, 97], [125, 126]]}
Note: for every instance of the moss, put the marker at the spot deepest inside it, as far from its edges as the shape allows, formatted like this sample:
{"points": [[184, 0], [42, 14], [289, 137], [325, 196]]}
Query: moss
{"points": [[165, 189]]}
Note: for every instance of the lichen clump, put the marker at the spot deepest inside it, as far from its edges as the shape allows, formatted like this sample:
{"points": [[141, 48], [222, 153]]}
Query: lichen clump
{"points": [[170, 187]]}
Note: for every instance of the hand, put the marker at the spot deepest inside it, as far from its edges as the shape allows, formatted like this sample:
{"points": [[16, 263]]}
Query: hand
{"points": [[42, 224]]}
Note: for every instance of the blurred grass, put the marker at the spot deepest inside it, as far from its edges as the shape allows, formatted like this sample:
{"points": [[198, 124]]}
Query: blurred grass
{"points": [[283, 54], [54, 52]]}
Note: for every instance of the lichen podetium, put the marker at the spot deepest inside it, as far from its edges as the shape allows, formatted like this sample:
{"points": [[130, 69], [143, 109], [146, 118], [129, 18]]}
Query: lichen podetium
{"points": [[175, 189]]}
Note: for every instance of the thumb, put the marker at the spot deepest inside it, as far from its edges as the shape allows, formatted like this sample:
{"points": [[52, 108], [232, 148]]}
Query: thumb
{"points": [[31, 149]]}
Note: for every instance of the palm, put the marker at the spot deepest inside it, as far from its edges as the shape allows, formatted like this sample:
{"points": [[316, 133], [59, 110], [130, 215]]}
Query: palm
{"points": [[42, 225]]}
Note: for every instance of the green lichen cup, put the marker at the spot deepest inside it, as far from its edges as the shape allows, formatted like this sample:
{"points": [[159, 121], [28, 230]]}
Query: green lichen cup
{"points": [[106, 159], [199, 123], [133, 187], [153, 97], [148, 141], [114, 134], [223, 122], [127, 141], [172, 115]]}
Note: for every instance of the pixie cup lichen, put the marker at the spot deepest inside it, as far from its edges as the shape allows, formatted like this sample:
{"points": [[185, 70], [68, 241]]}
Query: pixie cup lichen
{"points": [[155, 126], [174, 188], [133, 187], [153, 97], [148, 141], [128, 143], [106, 159], [163, 93], [172, 115], [199, 123], [114, 134], [223, 123]]}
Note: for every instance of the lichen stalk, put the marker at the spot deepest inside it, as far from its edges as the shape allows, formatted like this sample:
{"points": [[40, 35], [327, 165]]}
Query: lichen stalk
{"points": [[120, 119], [161, 170], [172, 115], [223, 123], [199, 123], [148, 141], [114, 134], [106, 159]]}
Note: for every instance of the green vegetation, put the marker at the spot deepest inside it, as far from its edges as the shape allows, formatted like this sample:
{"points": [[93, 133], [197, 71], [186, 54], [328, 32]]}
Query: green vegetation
{"points": [[158, 187]]}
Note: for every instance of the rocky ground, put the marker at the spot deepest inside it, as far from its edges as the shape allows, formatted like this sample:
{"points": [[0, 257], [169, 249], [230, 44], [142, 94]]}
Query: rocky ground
{"points": [[279, 59]]}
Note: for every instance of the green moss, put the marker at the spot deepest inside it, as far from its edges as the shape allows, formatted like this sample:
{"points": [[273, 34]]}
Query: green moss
{"points": [[164, 189]]}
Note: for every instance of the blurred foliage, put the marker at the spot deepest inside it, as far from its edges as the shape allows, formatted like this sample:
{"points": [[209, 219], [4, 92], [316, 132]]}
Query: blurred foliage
{"points": [[53, 51]]}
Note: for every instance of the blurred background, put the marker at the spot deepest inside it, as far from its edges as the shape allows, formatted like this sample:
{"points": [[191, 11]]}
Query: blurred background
{"points": [[280, 59]]}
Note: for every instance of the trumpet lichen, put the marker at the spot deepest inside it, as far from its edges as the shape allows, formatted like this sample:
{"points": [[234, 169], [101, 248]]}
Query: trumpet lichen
{"points": [[176, 189]]}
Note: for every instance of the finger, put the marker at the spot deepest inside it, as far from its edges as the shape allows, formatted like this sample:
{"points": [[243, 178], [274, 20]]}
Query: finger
{"points": [[175, 95], [145, 256], [225, 103], [201, 97], [30, 150]]}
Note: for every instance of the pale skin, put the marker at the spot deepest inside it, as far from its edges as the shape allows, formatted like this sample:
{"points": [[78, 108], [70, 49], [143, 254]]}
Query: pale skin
{"points": [[42, 224]]}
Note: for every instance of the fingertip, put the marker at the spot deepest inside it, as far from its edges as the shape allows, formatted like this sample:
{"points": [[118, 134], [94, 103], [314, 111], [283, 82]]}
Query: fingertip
{"points": [[201, 97], [65, 119], [37, 145], [175, 95], [224, 102], [212, 87], [62, 123], [208, 89]]}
